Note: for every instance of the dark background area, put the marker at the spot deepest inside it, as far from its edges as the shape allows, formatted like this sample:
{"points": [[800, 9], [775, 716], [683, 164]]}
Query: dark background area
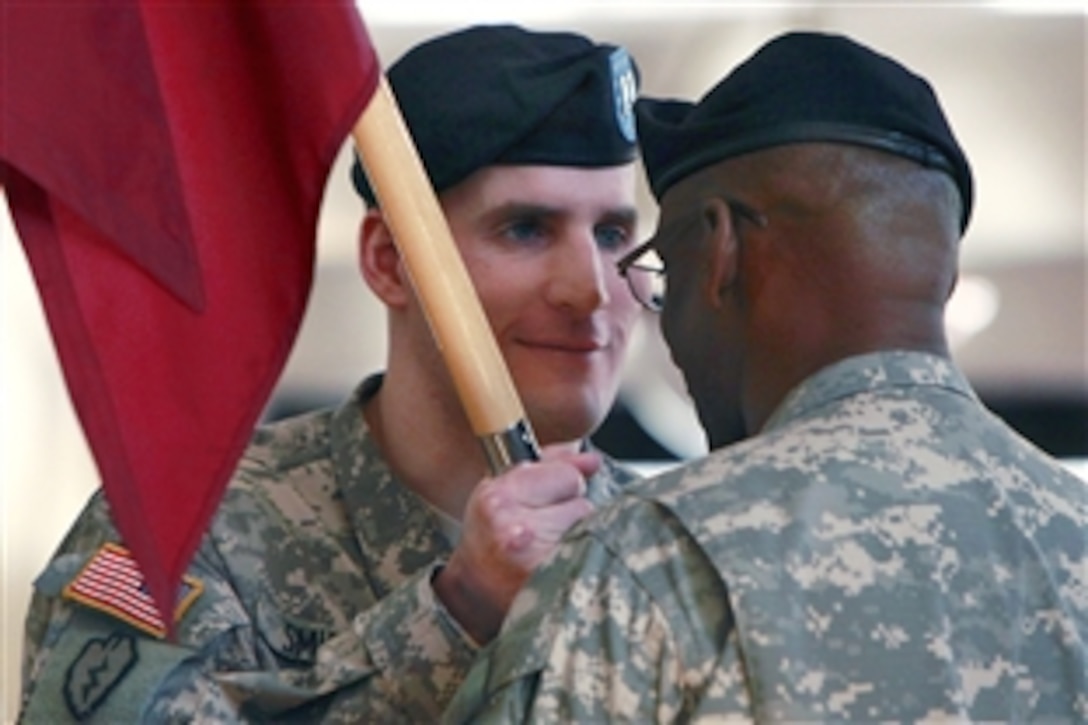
{"points": [[1058, 425]]}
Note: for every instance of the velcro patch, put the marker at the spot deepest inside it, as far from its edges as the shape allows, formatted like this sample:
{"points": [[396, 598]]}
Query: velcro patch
{"points": [[96, 671], [112, 583]]}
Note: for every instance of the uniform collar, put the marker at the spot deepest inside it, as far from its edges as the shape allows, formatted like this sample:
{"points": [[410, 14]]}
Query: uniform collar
{"points": [[868, 373]]}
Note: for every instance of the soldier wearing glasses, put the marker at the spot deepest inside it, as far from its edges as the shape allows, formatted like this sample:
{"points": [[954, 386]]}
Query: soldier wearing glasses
{"points": [[883, 548]]}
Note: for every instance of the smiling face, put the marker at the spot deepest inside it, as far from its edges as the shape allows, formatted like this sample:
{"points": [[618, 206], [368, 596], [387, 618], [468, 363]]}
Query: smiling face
{"points": [[540, 243]]}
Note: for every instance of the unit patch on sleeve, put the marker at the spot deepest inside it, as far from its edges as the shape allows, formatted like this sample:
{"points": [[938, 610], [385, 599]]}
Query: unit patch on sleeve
{"points": [[111, 583], [100, 666]]}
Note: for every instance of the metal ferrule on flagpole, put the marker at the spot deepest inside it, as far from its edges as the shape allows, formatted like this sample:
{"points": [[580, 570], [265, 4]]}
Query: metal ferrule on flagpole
{"points": [[506, 449]]}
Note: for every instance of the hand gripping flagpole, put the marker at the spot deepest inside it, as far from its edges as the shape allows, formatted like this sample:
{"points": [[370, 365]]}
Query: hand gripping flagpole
{"points": [[441, 282]]}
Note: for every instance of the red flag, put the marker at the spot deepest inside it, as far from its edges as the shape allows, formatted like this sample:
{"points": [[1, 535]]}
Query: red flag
{"points": [[164, 164]]}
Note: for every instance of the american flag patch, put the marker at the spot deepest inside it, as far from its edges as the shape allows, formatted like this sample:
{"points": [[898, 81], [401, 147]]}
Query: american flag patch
{"points": [[111, 583]]}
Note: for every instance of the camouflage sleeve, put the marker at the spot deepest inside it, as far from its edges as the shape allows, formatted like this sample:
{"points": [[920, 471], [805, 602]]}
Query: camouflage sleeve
{"points": [[82, 664], [46, 617], [102, 673], [618, 626]]}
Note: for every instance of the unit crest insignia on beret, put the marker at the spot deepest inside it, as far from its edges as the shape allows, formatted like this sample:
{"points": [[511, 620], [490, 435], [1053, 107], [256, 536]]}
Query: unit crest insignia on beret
{"points": [[625, 91]]}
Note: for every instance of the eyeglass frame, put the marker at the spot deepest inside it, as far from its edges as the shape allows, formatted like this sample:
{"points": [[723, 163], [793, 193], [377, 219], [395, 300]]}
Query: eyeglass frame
{"points": [[628, 261]]}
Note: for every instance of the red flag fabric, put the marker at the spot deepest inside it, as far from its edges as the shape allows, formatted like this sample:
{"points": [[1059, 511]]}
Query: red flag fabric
{"points": [[164, 164]]}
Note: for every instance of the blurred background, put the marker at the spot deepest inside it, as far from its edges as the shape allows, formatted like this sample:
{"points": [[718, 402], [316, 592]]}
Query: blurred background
{"points": [[1010, 75]]}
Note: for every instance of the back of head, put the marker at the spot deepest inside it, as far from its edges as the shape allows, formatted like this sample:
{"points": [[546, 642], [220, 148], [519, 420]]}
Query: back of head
{"points": [[804, 87], [501, 94], [847, 159]]}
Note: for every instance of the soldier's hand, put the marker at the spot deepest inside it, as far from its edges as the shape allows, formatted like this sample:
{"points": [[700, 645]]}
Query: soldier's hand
{"points": [[512, 523]]}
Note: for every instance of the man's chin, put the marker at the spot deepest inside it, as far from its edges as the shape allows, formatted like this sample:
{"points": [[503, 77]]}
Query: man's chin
{"points": [[562, 423]]}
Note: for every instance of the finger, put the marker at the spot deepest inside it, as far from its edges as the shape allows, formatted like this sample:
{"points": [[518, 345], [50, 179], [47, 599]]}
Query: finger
{"points": [[543, 484], [516, 537], [588, 462], [556, 452], [540, 529]]}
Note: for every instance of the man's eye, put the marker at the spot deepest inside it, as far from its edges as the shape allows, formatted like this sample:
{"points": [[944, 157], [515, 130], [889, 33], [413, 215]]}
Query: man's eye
{"points": [[524, 230], [612, 238]]}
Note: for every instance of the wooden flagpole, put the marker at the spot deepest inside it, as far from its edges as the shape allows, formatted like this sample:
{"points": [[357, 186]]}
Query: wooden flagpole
{"points": [[441, 282]]}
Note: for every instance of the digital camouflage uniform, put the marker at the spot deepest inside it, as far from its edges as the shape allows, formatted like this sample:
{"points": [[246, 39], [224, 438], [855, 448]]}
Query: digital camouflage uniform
{"points": [[886, 550], [316, 577]]}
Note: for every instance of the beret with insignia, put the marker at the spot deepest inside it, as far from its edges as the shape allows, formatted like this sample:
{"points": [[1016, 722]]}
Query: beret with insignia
{"points": [[803, 87], [501, 94]]}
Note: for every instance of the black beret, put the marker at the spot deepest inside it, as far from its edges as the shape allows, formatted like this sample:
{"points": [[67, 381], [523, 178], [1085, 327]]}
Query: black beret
{"points": [[803, 87], [501, 94]]}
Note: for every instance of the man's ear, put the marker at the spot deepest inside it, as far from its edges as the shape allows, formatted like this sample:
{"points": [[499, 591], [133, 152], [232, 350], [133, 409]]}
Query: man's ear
{"points": [[380, 263], [722, 249]]}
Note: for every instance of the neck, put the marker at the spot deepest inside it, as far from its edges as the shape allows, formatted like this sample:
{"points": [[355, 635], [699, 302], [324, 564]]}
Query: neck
{"points": [[788, 356], [425, 438]]}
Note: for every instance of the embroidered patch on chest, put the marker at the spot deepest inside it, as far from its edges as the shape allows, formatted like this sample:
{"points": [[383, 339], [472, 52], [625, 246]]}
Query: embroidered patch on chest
{"points": [[302, 642], [111, 583]]}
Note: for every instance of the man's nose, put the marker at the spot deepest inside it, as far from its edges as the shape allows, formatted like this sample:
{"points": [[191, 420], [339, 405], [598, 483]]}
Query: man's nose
{"points": [[578, 280]]}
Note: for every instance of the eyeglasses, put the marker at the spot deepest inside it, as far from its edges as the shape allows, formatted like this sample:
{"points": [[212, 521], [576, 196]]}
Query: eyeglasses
{"points": [[644, 269]]}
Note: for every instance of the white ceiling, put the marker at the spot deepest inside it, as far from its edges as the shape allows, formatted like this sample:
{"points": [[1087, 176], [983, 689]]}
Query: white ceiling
{"points": [[1012, 79]]}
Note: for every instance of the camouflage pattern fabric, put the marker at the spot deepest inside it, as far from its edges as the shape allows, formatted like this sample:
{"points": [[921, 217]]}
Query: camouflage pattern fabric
{"points": [[316, 602], [886, 550]]}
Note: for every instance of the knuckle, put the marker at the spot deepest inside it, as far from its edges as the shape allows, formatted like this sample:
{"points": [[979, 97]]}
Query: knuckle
{"points": [[492, 502]]}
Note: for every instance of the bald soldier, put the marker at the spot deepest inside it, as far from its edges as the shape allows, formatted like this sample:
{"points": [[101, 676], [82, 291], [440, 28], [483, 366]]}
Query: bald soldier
{"points": [[354, 567], [884, 548]]}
